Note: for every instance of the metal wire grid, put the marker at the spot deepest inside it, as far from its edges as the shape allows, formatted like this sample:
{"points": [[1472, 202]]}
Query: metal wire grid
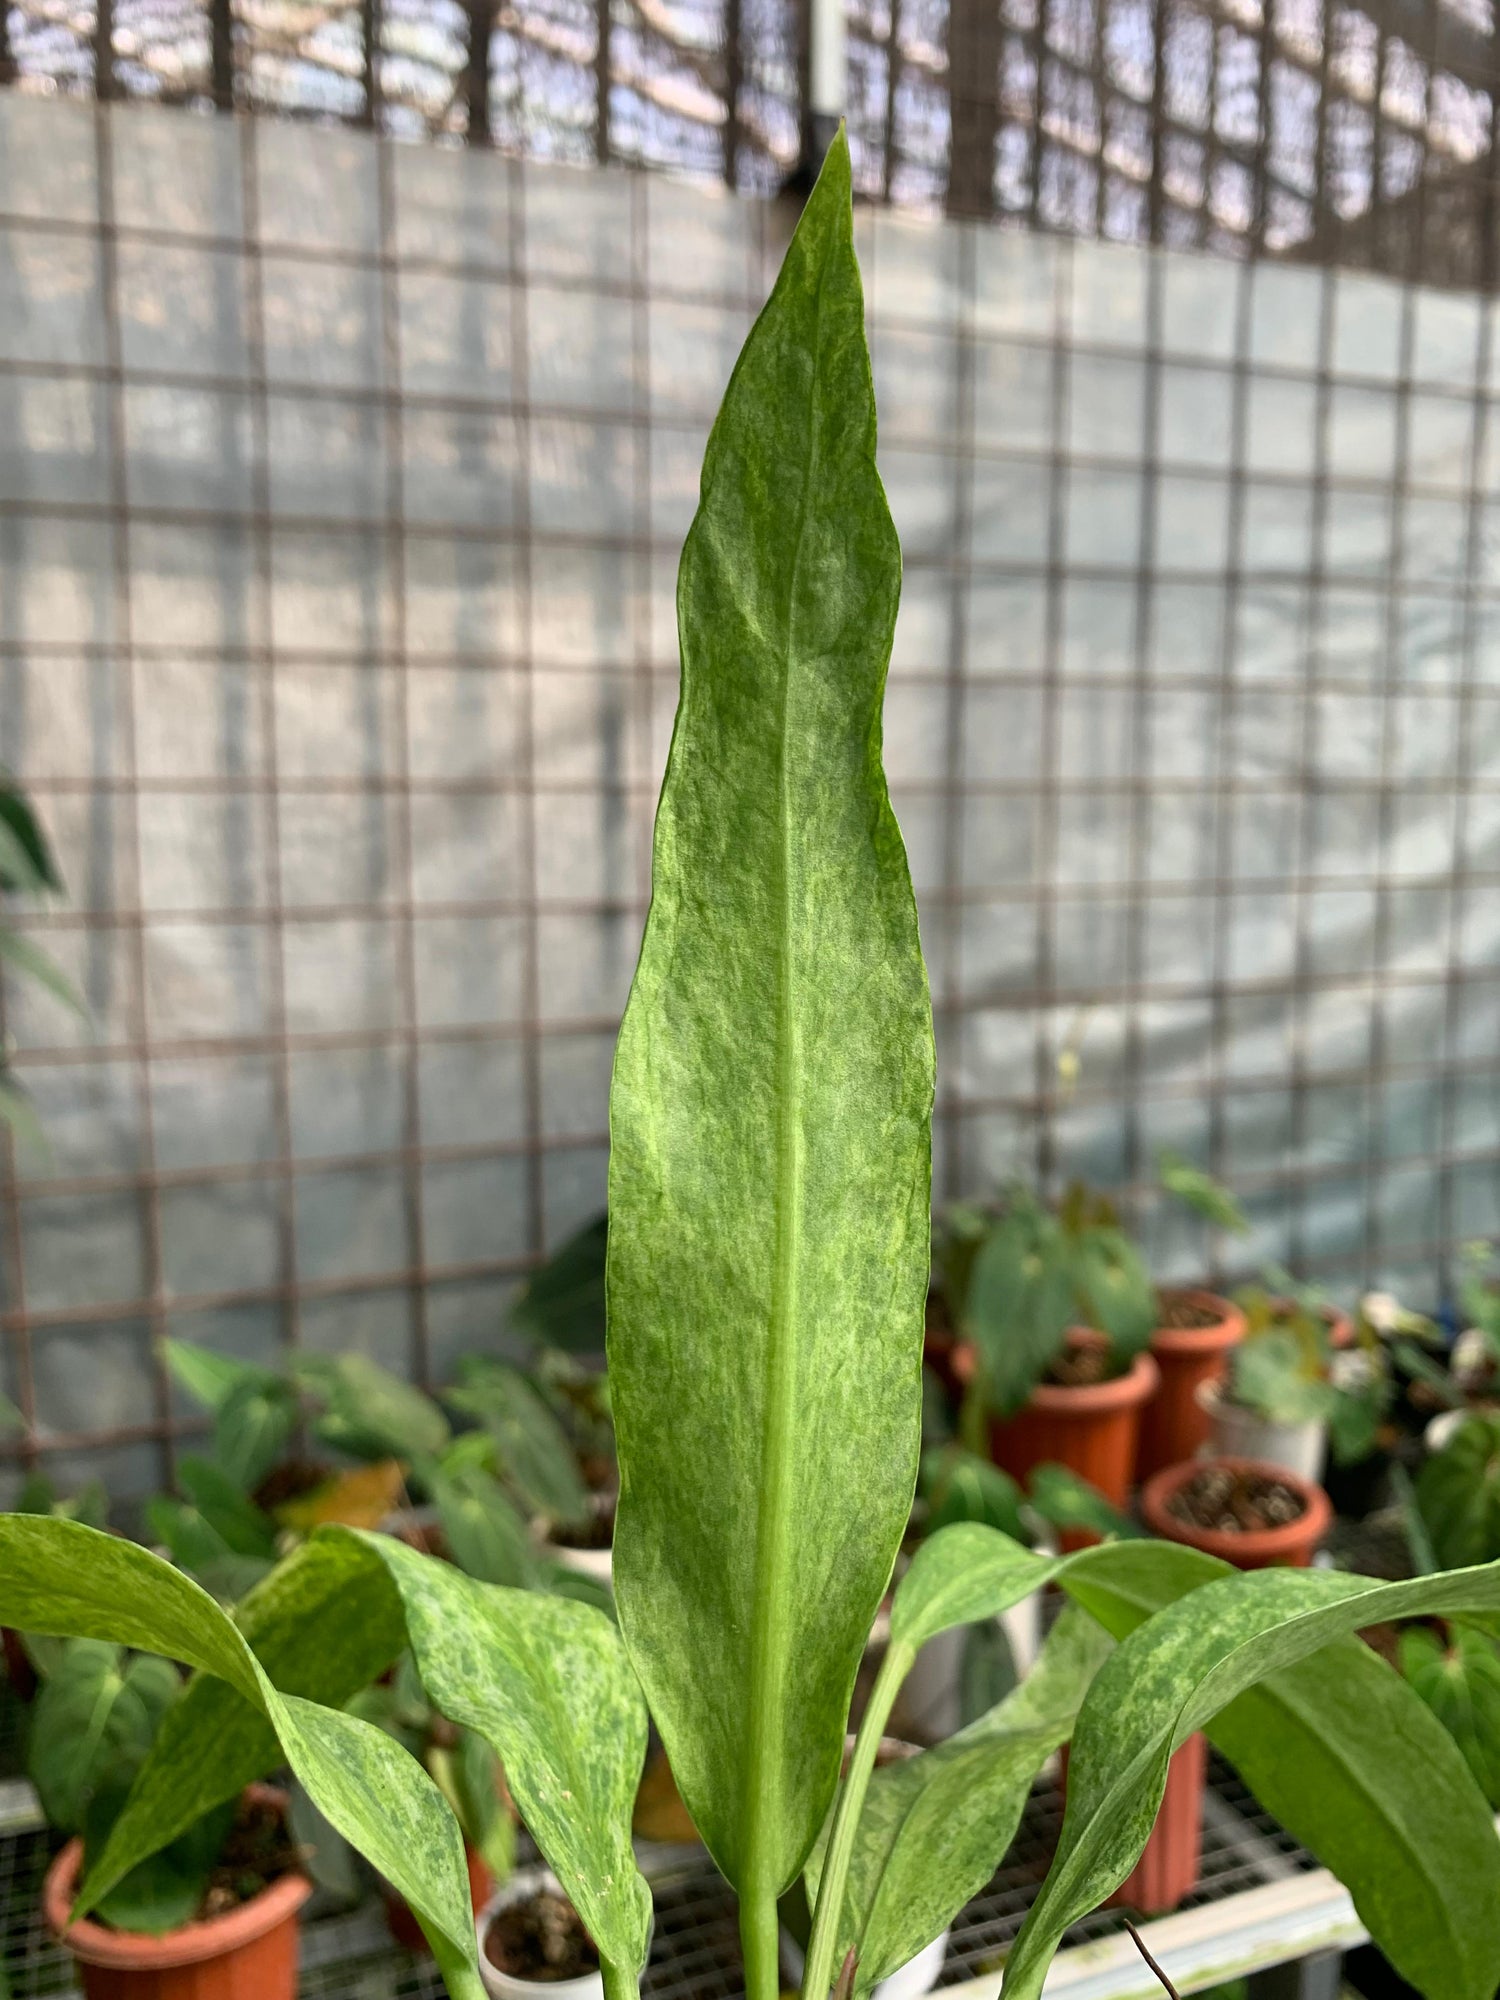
{"points": [[705, 87], [1359, 136], [1178, 802], [695, 1948]]}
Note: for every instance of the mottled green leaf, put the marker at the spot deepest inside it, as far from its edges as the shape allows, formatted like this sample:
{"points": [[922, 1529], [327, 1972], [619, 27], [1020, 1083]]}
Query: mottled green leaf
{"points": [[548, 1684], [1334, 1747], [962, 1574], [771, 1107], [1174, 1674], [934, 1828]]}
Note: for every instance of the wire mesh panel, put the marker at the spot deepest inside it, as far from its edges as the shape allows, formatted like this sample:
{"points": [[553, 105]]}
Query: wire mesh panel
{"points": [[338, 541]]}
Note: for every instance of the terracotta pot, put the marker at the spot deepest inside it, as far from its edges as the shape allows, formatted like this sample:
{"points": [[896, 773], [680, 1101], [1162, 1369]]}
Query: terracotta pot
{"points": [[1288, 1547], [1092, 1429], [402, 1920], [1169, 1863], [248, 1954], [1174, 1426]]}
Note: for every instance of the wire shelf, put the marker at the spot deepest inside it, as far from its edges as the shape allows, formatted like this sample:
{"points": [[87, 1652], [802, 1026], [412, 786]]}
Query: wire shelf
{"points": [[695, 1953]]}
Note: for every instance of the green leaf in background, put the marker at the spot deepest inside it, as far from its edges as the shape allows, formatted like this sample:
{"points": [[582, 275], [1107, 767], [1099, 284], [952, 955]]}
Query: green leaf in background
{"points": [[166, 1888], [1114, 1290], [1174, 1674], [563, 1302], [935, 1827], [959, 1485], [226, 1508], [987, 1670], [208, 1376], [1021, 1300], [1066, 1501], [771, 1108], [531, 1446], [33, 963], [1334, 1747], [58, 1577], [92, 1724], [547, 1684], [252, 1427], [486, 1536], [1270, 1373], [26, 861], [1460, 1682], [1458, 1494], [1200, 1192], [323, 1625], [196, 1546], [368, 1412]]}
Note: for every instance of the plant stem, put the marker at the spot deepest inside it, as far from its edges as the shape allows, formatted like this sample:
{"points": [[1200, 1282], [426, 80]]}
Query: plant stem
{"points": [[759, 1942], [818, 1974], [1140, 1945], [619, 1983]]}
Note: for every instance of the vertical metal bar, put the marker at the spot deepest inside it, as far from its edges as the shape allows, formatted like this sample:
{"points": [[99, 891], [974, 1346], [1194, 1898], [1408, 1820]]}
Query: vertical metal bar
{"points": [[7, 60], [1060, 357], [221, 53], [1260, 193], [104, 50], [398, 654], [950, 929], [602, 60], [973, 105], [525, 720], [1038, 148], [1155, 194], [480, 130], [1307, 734], [370, 28], [129, 831], [1138, 836], [733, 74], [1100, 73], [287, 1260], [892, 81]]}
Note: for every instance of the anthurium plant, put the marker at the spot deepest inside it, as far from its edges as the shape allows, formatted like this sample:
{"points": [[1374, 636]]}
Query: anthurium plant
{"points": [[767, 1270], [1287, 1369]]}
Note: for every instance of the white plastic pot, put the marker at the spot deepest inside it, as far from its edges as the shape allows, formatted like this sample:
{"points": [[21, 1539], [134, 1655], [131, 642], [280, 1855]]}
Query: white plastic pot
{"points": [[502, 1985], [1242, 1433], [928, 1704], [908, 1982], [597, 1563]]}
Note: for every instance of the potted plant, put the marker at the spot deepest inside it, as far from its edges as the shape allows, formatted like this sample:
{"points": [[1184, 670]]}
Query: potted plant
{"points": [[1195, 1330], [1056, 1313], [768, 1250], [1252, 1513], [215, 1912], [1295, 1383], [532, 1941]]}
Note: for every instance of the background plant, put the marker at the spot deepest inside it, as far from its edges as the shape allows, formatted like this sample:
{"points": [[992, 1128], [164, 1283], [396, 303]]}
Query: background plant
{"points": [[27, 869]]}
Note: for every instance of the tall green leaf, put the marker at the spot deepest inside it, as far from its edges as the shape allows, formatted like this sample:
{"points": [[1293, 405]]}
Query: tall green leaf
{"points": [[1177, 1672], [546, 1682], [771, 1107]]}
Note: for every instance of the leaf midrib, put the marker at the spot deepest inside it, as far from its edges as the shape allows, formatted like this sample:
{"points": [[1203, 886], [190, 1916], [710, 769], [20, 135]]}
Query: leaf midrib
{"points": [[762, 1797]]}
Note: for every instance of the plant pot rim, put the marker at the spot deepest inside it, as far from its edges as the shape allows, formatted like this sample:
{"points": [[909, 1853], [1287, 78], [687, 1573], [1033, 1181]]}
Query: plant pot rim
{"points": [[1306, 1531], [517, 1888], [1178, 1342], [189, 1944], [1096, 1399]]}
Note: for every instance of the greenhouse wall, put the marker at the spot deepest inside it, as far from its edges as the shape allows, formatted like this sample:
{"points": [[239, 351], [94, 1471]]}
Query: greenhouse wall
{"points": [[338, 539]]}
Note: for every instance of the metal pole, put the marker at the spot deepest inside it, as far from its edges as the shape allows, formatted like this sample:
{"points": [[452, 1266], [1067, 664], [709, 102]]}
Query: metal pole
{"points": [[825, 81]]}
